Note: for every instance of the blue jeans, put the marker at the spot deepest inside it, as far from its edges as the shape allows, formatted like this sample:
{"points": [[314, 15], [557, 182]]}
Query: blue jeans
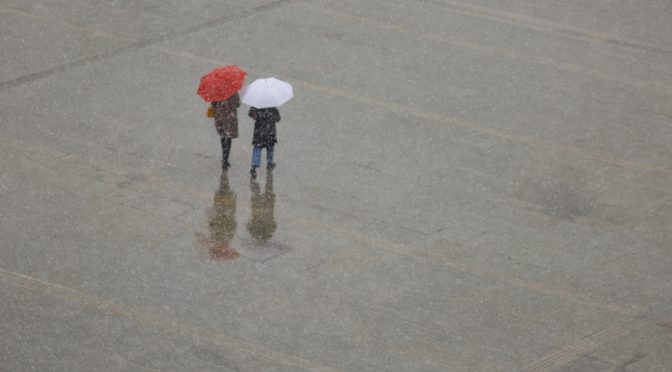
{"points": [[256, 155]]}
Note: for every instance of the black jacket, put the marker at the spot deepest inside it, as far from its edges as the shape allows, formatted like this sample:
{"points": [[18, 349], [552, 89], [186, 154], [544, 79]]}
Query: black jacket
{"points": [[264, 126]]}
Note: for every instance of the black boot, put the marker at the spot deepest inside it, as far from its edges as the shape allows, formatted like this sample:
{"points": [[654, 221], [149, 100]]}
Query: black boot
{"points": [[226, 150], [253, 172]]}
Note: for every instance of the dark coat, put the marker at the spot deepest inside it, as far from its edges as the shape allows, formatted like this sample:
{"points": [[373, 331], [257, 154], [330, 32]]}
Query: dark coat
{"points": [[226, 116], [264, 126]]}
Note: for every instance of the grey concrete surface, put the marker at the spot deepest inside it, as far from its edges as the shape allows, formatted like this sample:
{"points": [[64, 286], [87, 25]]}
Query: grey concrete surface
{"points": [[467, 185]]}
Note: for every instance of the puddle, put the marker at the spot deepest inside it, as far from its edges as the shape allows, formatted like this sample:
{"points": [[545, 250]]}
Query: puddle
{"points": [[262, 253], [564, 195], [261, 226], [221, 223]]}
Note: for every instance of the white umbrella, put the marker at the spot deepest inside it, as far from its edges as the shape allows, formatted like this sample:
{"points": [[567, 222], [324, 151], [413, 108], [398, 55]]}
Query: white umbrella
{"points": [[270, 92]]}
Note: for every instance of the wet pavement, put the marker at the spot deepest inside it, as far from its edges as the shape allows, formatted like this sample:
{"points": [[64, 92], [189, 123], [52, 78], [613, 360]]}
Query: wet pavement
{"points": [[461, 186]]}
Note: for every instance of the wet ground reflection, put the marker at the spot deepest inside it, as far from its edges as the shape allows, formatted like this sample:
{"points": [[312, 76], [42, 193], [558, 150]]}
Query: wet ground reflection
{"points": [[222, 222], [262, 225], [259, 246]]}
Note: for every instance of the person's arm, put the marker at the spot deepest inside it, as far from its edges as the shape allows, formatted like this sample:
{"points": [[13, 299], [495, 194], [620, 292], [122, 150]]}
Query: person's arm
{"points": [[236, 100], [252, 113], [277, 115]]}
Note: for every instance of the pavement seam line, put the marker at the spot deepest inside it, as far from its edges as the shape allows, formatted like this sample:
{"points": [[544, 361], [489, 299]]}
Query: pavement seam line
{"points": [[639, 167], [611, 228], [403, 250], [64, 24], [437, 37], [381, 103], [586, 345], [149, 319], [438, 118], [503, 51], [540, 24], [140, 45]]}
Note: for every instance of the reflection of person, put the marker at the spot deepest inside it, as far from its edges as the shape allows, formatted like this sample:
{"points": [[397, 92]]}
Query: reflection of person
{"points": [[262, 224], [226, 122], [265, 136], [222, 221]]}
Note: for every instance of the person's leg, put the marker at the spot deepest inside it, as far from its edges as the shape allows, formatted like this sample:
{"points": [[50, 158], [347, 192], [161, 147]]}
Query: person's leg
{"points": [[226, 150], [269, 156], [256, 156], [256, 160]]}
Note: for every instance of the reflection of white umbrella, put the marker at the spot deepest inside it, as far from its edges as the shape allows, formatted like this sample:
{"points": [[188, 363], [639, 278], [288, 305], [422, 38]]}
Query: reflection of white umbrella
{"points": [[263, 93]]}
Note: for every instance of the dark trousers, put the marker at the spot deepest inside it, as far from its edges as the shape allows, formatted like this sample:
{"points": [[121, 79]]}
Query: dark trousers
{"points": [[226, 149]]}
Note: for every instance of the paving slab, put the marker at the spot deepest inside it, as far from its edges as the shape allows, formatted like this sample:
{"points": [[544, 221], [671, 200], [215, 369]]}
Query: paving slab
{"points": [[465, 185]]}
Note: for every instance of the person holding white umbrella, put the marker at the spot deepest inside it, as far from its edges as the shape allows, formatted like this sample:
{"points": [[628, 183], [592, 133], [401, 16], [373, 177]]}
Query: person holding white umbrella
{"points": [[265, 136], [265, 96]]}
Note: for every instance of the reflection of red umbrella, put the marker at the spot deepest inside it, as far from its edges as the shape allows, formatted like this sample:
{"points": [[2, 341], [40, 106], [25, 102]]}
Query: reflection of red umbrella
{"points": [[221, 83], [222, 251]]}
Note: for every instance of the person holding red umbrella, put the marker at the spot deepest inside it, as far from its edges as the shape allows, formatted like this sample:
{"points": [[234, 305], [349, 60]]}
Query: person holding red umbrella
{"points": [[220, 87], [225, 114]]}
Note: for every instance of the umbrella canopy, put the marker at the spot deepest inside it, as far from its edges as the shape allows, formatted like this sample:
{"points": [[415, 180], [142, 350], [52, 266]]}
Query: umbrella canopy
{"points": [[270, 92], [221, 83]]}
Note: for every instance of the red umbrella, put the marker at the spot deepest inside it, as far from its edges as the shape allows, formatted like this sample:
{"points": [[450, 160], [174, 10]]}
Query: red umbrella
{"points": [[221, 83]]}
